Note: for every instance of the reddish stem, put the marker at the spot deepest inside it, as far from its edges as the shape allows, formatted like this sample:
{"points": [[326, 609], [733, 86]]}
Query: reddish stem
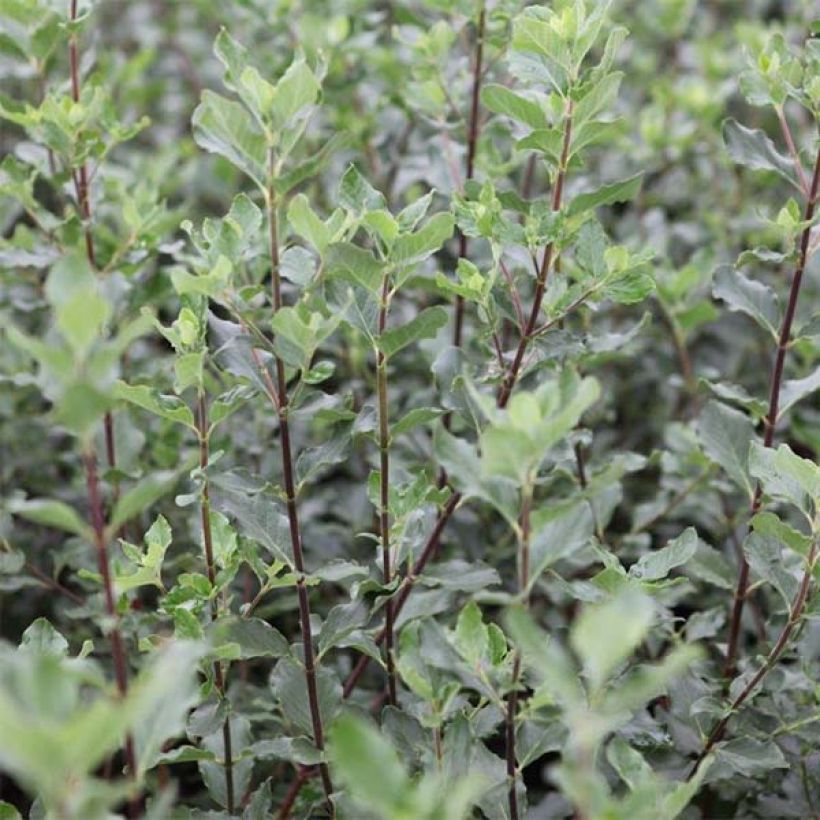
{"points": [[114, 635], [293, 517], [472, 142], [774, 405], [543, 272], [210, 566], [384, 492]]}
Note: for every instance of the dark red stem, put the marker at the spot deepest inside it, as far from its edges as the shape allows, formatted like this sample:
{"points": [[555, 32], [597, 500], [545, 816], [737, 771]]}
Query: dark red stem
{"points": [[774, 403], [293, 517], [207, 539], [473, 131], [543, 272], [114, 635], [384, 492]]}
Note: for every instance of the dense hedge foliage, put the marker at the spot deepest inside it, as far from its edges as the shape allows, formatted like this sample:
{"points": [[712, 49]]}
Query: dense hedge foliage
{"points": [[409, 409]]}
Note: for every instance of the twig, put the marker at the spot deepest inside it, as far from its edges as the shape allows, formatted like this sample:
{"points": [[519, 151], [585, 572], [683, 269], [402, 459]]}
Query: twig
{"points": [[472, 142], [207, 539], [795, 613], [512, 375], [290, 495], [384, 489], [774, 404]]}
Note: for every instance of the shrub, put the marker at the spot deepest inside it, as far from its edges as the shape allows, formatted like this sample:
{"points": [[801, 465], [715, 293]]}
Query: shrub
{"points": [[409, 411]]}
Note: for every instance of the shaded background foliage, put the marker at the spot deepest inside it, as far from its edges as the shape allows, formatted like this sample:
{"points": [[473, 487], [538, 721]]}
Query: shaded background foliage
{"points": [[680, 350]]}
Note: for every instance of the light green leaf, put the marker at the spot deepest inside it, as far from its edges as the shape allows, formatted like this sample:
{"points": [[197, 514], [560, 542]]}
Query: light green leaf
{"points": [[224, 127], [747, 296], [254, 638], [142, 496], [424, 325], [357, 750], [786, 475], [410, 249], [354, 264], [752, 148], [725, 435], [795, 390], [168, 407], [51, 513], [307, 224], [622, 191], [472, 638], [653, 566], [604, 636], [501, 100]]}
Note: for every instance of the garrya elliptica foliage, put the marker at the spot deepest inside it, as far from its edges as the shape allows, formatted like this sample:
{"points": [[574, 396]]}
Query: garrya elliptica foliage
{"points": [[409, 410]]}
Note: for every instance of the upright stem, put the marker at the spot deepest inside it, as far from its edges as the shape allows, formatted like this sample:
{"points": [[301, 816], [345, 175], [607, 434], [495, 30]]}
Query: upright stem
{"points": [[543, 272], [406, 587], [473, 130], [774, 405], [207, 539], [512, 700], [115, 637], [795, 613], [290, 495], [384, 491], [80, 179]]}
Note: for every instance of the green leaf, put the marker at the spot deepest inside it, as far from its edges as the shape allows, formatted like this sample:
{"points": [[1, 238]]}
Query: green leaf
{"points": [[424, 325], [752, 148], [51, 513], [356, 194], [139, 498], [354, 265], [311, 166], [471, 636], [622, 191], [414, 418], [307, 224], [551, 663], [770, 526], [653, 566], [795, 390], [786, 475], [224, 127], [747, 296], [410, 249], [604, 636], [357, 751], [254, 638], [295, 90], [41, 637], [146, 397], [288, 682], [725, 435], [501, 100]]}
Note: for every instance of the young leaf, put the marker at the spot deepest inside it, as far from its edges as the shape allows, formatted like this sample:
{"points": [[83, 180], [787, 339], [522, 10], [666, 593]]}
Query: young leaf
{"points": [[424, 325], [725, 435]]}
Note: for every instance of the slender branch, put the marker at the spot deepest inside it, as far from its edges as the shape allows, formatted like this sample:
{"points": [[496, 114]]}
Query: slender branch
{"points": [[290, 494], [384, 490], [406, 587], [512, 700], [114, 635], [795, 613], [472, 142], [401, 597], [207, 539], [543, 272], [787, 136], [774, 405], [51, 583], [81, 191]]}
